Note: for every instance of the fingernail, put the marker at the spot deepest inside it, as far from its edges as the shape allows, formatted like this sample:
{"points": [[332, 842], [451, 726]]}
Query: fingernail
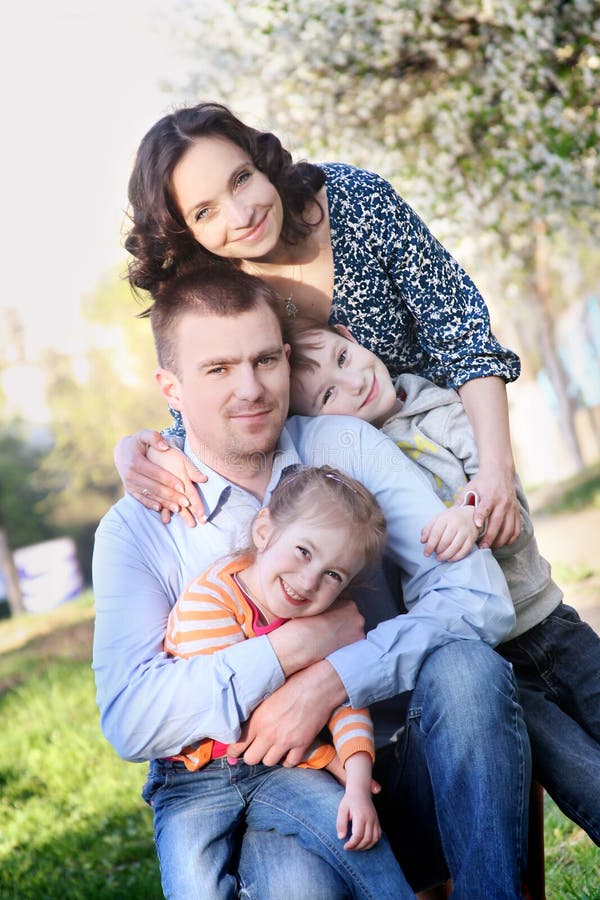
{"points": [[174, 508], [163, 445], [156, 507], [185, 502], [179, 488]]}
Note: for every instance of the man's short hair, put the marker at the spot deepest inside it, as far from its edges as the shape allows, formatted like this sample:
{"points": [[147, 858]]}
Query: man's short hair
{"points": [[210, 291]]}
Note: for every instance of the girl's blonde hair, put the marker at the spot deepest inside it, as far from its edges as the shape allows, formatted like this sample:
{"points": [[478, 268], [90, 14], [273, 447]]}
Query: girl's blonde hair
{"points": [[325, 494]]}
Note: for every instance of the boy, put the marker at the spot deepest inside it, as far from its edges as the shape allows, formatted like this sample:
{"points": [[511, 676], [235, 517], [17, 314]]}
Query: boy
{"points": [[556, 657]]}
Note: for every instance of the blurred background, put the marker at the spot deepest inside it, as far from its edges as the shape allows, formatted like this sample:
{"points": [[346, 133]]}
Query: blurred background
{"points": [[483, 114]]}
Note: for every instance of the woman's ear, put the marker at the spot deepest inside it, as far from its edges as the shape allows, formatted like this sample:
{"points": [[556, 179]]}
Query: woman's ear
{"points": [[345, 332], [262, 529]]}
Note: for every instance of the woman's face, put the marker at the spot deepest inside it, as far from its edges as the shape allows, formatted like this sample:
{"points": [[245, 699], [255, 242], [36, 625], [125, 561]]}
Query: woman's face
{"points": [[230, 207]]}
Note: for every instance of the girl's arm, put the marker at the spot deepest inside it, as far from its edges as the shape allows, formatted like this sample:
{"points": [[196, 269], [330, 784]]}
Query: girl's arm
{"points": [[356, 810], [485, 403]]}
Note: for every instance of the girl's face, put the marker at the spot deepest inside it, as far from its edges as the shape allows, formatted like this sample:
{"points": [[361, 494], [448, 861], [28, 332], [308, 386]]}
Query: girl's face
{"points": [[303, 568], [230, 207]]}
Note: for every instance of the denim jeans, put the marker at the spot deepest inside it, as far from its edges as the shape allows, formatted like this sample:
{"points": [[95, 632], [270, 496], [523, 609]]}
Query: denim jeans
{"points": [[557, 668], [456, 783], [203, 818]]}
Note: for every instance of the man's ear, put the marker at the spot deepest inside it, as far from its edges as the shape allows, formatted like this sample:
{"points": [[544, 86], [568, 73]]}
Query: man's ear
{"points": [[345, 332], [262, 529], [169, 386]]}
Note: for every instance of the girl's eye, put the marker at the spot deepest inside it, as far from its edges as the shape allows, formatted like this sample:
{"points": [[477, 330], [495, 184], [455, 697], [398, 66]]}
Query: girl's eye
{"points": [[335, 575], [327, 396], [341, 360], [304, 552]]}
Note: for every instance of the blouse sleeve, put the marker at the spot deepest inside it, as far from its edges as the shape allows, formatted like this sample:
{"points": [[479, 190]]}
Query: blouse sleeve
{"points": [[450, 316]]}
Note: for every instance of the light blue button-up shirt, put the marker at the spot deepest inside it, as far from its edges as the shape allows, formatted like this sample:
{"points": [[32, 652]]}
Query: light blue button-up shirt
{"points": [[152, 705]]}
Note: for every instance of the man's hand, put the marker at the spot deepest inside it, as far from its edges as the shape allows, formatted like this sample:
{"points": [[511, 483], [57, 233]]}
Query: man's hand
{"points": [[284, 726], [301, 642]]}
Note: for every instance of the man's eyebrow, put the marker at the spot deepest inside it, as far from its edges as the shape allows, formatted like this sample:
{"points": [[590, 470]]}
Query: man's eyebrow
{"points": [[213, 362]]}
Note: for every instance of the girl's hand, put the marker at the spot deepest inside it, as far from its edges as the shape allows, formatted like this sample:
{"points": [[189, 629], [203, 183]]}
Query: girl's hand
{"points": [[498, 504], [356, 812], [451, 534], [154, 485]]}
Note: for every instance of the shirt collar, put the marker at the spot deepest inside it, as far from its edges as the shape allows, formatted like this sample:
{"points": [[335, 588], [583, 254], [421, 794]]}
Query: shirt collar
{"points": [[212, 491]]}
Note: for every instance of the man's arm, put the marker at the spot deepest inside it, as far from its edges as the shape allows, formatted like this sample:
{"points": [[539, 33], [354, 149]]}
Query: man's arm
{"points": [[152, 705], [464, 600]]}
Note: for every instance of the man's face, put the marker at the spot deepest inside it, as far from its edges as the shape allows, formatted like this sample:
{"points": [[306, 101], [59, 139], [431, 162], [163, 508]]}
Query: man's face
{"points": [[232, 387]]}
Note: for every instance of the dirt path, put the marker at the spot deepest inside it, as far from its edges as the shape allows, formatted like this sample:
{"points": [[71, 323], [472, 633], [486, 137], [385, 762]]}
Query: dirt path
{"points": [[572, 540]]}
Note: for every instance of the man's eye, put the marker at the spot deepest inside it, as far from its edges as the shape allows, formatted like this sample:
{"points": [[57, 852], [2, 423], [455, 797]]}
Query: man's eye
{"points": [[265, 360], [327, 396], [217, 370]]}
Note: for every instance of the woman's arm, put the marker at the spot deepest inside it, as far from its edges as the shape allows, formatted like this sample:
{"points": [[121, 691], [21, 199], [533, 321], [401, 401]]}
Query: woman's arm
{"points": [[153, 485], [485, 403]]}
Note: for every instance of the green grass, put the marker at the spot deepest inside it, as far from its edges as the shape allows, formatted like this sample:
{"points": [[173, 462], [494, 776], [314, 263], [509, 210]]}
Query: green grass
{"points": [[72, 823]]}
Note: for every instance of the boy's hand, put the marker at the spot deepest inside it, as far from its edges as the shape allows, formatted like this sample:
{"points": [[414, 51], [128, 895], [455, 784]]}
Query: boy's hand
{"points": [[451, 535]]}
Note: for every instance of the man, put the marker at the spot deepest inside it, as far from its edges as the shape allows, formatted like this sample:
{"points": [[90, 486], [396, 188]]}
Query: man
{"points": [[224, 366]]}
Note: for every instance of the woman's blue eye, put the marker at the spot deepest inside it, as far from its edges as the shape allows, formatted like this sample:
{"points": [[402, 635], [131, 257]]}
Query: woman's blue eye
{"points": [[342, 358], [243, 178], [201, 214]]}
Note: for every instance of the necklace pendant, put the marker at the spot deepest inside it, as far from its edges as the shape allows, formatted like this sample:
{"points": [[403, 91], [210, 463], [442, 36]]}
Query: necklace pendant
{"points": [[290, 307]]}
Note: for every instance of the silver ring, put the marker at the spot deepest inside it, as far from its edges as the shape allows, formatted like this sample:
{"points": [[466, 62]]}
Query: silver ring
{"points": [[146, 492]]}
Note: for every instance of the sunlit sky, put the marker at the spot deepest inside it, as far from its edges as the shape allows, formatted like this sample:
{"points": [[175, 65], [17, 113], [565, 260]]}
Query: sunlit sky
{"points": [[81, 86]]}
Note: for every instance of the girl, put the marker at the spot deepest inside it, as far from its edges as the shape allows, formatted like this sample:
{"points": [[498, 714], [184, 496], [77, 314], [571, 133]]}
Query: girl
{"points": [[318, 532], [338, 244]]}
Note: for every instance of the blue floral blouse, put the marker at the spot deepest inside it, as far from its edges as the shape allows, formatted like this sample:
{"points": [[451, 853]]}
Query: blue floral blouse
{"points": [[399, 291]]}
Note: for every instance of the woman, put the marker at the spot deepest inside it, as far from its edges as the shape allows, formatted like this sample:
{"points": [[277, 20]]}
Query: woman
{"points": [[338, 244]]}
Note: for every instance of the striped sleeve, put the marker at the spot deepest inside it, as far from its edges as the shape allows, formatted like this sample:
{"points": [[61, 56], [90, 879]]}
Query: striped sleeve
{"points": [[352, 731], [208, 616]]}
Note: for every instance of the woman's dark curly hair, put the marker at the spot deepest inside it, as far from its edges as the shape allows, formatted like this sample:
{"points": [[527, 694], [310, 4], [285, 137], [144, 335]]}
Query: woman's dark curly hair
{"points": [[159, 239]]}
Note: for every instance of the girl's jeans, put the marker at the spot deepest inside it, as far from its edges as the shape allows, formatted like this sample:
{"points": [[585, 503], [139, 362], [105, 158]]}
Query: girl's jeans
{"points": [[200, 819]]}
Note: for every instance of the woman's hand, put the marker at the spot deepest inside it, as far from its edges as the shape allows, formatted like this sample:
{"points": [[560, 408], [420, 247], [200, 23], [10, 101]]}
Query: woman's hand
{"points": [[166, 487], [497, 504]]}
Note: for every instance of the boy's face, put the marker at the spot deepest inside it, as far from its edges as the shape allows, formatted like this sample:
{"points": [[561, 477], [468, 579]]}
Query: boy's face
{"points": [[347, 380]]}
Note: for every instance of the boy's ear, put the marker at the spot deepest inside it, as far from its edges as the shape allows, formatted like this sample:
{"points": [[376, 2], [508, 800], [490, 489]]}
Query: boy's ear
{"points": [[169, 386], [345, 332], [262, 529]]}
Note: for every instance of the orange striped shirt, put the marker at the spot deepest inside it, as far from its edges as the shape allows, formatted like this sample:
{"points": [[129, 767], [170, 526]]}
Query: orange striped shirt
{"points": [[213, 612]]}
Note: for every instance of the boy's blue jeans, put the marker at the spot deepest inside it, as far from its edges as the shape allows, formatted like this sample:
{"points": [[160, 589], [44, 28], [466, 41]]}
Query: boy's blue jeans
{"points": [[557, 668], [454, 800], [200, 819]]}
